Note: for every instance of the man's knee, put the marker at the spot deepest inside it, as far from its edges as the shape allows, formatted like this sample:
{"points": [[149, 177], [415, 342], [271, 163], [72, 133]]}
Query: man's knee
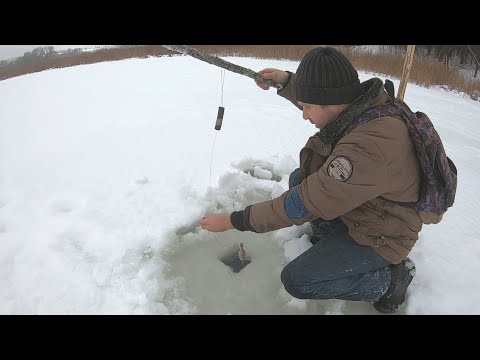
{"points": [[290, 285], [297, 285]]}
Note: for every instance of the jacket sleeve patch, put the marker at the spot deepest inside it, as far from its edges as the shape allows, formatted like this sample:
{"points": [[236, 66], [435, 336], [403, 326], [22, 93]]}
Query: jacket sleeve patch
{"points": [[340, 168], [294, 207]]}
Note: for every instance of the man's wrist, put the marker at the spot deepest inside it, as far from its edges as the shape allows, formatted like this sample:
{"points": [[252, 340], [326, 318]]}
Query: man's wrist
{"points": [[236, 218], [240, 220], [285, 83]]}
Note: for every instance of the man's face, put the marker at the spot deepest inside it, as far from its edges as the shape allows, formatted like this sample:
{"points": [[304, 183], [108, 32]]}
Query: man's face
{"points": [[321, 115]]}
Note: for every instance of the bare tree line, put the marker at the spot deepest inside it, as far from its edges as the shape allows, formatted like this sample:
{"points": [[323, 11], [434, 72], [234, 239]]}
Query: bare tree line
{"points": [[442, 53], [467, 54], [444, 65]]}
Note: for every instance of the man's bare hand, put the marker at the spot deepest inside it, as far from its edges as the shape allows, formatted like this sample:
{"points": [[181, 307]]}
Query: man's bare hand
{"points": [[217, 223], [278, 76]]}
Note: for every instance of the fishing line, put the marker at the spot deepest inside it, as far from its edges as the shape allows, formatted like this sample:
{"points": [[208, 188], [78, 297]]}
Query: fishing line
{"points": [[211, 157], [218, 126], [237, 259], [227, 257], [218, 123]]}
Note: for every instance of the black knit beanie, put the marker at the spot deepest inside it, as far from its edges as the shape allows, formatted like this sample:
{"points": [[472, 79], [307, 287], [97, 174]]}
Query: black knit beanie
{"points": [[326, 77]]}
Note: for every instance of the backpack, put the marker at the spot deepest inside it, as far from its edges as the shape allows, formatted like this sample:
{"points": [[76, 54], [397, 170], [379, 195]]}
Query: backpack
{"points": [[439, 174]]}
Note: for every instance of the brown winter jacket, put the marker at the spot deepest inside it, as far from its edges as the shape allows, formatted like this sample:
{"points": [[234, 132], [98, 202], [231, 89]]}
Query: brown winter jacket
{"points": [[359, 178]]}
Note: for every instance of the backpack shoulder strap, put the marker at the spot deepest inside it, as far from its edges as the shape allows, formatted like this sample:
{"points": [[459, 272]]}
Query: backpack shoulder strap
{"points": [[390, 88], [388, 109]]}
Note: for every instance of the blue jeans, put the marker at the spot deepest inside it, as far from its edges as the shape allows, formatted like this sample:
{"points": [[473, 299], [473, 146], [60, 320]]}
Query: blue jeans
{"points": [[337, 267]]}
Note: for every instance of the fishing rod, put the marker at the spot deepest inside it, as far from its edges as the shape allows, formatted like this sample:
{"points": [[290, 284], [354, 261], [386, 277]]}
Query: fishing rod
{"points": [[222, 63]]}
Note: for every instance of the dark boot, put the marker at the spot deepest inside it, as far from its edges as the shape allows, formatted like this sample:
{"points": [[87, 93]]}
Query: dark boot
{"points": [[401, 276]]}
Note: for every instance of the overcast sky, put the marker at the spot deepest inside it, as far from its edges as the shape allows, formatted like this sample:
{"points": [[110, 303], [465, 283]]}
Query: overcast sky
{"points": [[13, 51]]}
